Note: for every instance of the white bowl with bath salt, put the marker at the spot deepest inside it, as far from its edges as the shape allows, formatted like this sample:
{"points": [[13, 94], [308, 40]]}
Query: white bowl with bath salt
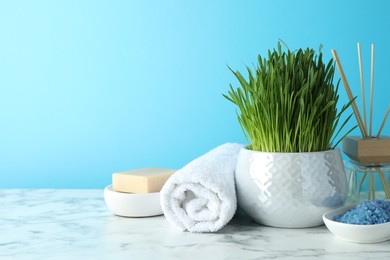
{"points": [[359, 233], [132, 204]]}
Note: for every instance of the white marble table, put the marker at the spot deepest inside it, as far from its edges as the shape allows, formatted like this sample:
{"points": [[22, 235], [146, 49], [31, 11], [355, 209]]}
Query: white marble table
{"points": [[75, 224]]}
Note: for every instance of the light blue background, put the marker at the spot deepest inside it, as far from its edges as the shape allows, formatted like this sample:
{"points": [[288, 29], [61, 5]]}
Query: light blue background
{"points": [[89, 88]]}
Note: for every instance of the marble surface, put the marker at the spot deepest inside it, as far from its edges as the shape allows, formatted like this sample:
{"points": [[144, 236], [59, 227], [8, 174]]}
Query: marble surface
{"points": [[75, 224]]}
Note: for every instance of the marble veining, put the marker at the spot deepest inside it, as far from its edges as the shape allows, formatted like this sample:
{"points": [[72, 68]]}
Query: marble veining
{"points": [[75, 224]]}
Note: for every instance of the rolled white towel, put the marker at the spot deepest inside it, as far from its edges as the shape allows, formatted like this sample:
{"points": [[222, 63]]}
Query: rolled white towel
{"points": [[201, 197]]}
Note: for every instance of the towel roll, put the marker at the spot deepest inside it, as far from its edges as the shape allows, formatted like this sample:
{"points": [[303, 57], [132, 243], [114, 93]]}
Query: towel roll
{"points": [[201, 197]]}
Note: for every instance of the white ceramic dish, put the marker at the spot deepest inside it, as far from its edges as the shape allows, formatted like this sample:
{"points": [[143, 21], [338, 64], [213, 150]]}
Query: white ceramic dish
{"points": [[356, 233], [132, 205]]}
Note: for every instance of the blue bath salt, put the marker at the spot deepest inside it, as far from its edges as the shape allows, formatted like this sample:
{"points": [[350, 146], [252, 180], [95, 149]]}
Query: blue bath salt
{"points": [[367, 213]]}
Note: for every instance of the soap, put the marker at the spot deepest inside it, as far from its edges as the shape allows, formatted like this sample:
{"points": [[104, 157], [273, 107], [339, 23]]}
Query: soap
{"points": [[145, 180]]}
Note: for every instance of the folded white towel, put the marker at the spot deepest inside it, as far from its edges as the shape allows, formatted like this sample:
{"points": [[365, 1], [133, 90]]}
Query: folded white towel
{"points": [[201, 197]]}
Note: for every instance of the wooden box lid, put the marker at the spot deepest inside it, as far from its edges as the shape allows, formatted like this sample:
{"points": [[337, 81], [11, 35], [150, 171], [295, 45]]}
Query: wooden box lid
{"points": [[367, 151]]}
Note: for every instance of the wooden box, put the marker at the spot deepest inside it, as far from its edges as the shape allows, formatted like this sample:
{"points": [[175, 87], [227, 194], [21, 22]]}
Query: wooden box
{"points": [[367, 151]]}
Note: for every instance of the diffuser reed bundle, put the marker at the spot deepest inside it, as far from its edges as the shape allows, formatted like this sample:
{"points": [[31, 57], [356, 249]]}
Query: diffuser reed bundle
{"points": [[373, 158]]}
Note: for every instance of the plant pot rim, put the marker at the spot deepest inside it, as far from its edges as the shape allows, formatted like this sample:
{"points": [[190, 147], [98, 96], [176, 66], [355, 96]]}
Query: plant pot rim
{"points": [[287, 153]]}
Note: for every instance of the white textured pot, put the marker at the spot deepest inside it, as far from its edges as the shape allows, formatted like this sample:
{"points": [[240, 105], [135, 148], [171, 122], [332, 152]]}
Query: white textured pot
{"points": [[291, 190]]}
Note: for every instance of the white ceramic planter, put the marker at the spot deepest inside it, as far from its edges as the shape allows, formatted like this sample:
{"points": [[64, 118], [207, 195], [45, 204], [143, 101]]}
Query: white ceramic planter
{"points": [[291, 190]]}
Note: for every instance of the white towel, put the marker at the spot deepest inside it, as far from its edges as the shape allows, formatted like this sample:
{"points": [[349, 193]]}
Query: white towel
{"points": [[201, 197]]}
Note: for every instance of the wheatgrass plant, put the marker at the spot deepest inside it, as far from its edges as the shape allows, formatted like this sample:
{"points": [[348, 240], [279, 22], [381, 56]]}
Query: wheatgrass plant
{"points": [[289, 103]]}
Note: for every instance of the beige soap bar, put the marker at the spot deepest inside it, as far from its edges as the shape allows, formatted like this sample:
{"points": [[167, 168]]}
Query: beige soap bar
{"points": [[145, 180]]}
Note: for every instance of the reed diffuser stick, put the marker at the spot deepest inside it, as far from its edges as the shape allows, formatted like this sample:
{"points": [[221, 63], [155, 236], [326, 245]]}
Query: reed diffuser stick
{"points": [[350, 95], [371, 189], [362, 180], [362, 85], [384, 183], [371, 86], [383, 122]]}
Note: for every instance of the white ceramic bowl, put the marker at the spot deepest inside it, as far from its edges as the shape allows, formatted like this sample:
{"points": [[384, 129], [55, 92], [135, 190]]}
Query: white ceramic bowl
{"points": [[132, 205], [356, 233]]}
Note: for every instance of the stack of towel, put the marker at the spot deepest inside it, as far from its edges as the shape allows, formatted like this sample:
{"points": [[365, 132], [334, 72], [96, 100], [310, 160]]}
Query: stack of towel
{"points": [[201, 197]]}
